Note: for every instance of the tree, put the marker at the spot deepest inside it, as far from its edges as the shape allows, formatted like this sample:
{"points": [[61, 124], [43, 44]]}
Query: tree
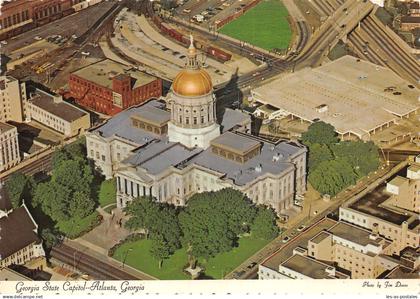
{"points": [[156, 218], [73, 174], [49, 237], [81, 205], [330, 177], [318, 153], [54, 200], [362, 156], [19, 187], [320, 132], [264, 225], [143, 212], [159, 249], [212, 221], [205, 232], [59, 157]]}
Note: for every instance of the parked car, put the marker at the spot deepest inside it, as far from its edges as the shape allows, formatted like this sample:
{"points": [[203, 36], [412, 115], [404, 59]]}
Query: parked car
{"points": [[301, 228], [285, 239]]}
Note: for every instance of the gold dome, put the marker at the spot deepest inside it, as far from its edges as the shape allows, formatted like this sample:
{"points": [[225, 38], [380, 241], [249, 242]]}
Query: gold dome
{"points": [[192, 82]]}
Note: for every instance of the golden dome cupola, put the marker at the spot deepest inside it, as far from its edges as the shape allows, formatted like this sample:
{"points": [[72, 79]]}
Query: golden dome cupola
{"points": [[192, 81]]}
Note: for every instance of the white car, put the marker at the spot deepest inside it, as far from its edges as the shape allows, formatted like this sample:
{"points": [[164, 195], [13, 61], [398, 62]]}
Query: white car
{"points": [[301, 228], [3, 42], [37, 37]]}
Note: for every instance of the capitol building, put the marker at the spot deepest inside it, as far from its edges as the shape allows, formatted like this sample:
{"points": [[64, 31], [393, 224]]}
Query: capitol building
{"points": [[174, 147]]}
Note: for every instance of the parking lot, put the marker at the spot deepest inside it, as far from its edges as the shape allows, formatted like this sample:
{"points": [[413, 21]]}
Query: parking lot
{"points": [[207, 13]]}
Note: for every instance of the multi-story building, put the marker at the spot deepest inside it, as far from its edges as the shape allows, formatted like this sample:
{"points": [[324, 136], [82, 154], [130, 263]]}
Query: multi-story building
{"points": [[9, 146], [51, 111], [18, 16], [391, 210], [174, 150], [109, 87], [18, 234], [343, 250], [12, 97]]}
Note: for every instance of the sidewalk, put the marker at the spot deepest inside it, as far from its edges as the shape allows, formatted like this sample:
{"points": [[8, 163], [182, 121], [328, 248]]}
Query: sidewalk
{"points": [[109, 260]]}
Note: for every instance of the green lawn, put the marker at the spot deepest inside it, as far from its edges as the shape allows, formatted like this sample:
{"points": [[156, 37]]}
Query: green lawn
{"points": [[75, 227], [216, 267], [265, 26], [140, 258], [107, 192]]}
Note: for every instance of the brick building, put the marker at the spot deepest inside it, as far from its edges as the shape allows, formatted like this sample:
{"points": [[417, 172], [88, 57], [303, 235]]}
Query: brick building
{"points": [[109, 87], [18, 16]]}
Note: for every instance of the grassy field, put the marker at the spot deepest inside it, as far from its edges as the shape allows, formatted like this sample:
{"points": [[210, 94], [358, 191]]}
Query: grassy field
{"points": [[75, 227], [107, 192], [216, 267], [265, 26]]}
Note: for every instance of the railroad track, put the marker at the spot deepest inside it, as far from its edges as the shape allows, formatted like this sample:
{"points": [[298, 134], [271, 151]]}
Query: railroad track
{"points": [[40, 165], [373, 35], [87, 264]]}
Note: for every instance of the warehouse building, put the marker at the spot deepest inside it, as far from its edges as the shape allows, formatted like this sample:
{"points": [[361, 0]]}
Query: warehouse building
{"points": [[109, 87], [357, 97]]}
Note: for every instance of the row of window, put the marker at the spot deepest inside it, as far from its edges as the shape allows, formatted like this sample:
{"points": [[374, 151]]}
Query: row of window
{"points": [[14, 19]]}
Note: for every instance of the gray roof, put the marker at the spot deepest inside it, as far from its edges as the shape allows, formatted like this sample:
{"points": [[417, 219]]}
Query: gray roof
{"points": [[120, 125], [152, 114], [354, 234], [242, 174], [61, 109], [160, 155], [235, 142], [231, 118], [311, 268]]}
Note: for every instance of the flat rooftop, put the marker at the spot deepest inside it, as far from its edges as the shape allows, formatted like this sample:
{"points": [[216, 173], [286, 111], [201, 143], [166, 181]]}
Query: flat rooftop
{"points": [[353, 233], [236, 143], [311, 267], [320, 237], [160, 155], [232, 118], [261, 164], [371, 205], [103, 71], [5, 127], [154, 115], [359, 96], [398, 181], [301, 240], [59, 108], [120, 126]]}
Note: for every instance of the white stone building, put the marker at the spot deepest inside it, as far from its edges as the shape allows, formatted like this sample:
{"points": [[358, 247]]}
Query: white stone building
{"points": [[175, 149], [9, 146]]}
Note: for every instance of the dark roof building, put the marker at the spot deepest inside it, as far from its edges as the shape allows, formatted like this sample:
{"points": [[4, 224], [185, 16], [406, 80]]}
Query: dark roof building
{"points": [[18, 234]]}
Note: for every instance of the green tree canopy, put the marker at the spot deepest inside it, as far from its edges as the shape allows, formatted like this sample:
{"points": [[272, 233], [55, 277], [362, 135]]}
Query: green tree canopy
{"points": [[320, 132], [19, 187], [156, 218], [318, 153], [330, 177], [81, 205], [264, 225], [362, 156], [212, 221], [54, 200], [160, 249], [73, 174]]}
